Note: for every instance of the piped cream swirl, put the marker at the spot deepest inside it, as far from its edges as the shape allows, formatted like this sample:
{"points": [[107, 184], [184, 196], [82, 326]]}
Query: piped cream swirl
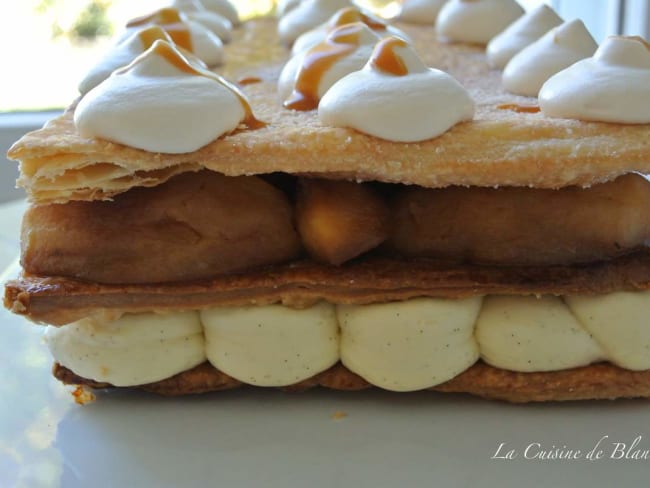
{"points": [[162, 102], [400, 346], [475, 21], [122, 54], [308, 75], [133, 350], [521, 33], [186, 33], [558, 49], [395, 97], [613, 86], [348, 15], [217, 24], [305, 16]]}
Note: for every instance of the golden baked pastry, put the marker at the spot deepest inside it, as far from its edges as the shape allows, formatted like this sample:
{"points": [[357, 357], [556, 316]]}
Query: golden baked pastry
{"points": [[507, 144], [259, 222]]}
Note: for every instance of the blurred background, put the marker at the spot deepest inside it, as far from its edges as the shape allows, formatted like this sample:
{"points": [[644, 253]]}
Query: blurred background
{"points": [[47, 46]]}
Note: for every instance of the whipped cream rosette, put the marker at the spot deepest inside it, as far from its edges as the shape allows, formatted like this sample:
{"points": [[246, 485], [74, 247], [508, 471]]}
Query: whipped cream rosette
{"points": [[396, 97], [188, 34], [162, 102], [556, 50], [521, 33], [612, 86], [348, 15], [122, 54], [308, 75], [217, 24], [475, 21], [307, 15]]}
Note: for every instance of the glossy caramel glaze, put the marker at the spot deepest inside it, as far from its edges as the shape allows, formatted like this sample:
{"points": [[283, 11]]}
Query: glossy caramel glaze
{"points": [[338, 44]]}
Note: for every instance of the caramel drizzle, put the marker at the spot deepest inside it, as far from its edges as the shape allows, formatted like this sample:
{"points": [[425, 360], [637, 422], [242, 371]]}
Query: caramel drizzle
{"points": [[386, 60], [350, 15], [249, 80], [637, 39], [522, 109], [341, 42], [175, 58], [152, 34], [170, 20]]}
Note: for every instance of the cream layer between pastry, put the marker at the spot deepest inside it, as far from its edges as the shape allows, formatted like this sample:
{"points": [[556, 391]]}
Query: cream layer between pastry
{"points": [[399, 346]]}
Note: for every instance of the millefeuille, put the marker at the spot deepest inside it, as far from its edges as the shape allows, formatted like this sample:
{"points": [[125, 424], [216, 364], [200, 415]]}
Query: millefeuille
{"points": [[348, 217]]}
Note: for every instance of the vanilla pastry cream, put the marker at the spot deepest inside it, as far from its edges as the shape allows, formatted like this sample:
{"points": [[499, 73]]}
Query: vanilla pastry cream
{"points": [[533, 334], [185, 33], [613, 86], [475, 21], [271, 345], [133, 350], [521, 33], [558, 49], [308, 75], [161, 103], [305, 16], [411, 345], [619, 322], [345, 16], [217, 24], [420, 11], [400, 346], [396, 97]]}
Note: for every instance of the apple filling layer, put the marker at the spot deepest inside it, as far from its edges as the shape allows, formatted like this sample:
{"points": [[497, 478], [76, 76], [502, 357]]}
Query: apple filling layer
{"points": [[400, 346], [201, 225]]}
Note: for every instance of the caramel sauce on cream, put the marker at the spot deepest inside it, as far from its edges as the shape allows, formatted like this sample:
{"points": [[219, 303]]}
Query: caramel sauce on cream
{"points": [[150, 35], [385, 60], [249, 80], [637, 39], [176, 59], [522, 109], [318, 60], [170, 20], [351, 15]]}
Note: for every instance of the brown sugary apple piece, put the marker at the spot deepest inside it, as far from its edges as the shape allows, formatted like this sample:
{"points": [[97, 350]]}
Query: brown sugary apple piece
{"points": [[523, 226], [339, 220], [195, 226]]}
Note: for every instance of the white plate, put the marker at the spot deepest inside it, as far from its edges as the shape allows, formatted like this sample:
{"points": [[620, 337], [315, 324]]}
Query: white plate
{"points": [[248, 438]]}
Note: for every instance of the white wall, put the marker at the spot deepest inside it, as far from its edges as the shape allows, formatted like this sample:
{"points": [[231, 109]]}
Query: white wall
{"points": [[600, 16]]}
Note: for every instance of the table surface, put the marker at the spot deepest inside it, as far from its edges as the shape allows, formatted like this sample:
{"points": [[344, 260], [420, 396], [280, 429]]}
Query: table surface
{"points": [[247, 437]]}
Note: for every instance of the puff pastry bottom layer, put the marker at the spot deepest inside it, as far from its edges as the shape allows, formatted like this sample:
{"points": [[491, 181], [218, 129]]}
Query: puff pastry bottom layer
{"points": [[60, 301], [595, 382]]}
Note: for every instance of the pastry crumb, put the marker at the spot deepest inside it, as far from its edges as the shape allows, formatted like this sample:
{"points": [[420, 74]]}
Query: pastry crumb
{"points": [[83, 396]]}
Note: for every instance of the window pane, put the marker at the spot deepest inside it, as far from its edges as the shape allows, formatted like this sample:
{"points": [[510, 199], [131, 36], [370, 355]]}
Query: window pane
{"points": [[52, 43]]}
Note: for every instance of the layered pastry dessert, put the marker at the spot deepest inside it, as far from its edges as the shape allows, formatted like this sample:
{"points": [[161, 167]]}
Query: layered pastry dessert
{"points": [[375, 209]]}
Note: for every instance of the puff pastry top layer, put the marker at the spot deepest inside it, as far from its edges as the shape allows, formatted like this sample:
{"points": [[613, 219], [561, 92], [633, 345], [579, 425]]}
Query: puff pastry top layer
{"points": [[501, 146]]}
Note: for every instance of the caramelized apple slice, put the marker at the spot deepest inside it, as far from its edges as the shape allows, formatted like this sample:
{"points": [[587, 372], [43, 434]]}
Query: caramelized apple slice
{"points": [[195, 226], [523, 226], [339, 220]]}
